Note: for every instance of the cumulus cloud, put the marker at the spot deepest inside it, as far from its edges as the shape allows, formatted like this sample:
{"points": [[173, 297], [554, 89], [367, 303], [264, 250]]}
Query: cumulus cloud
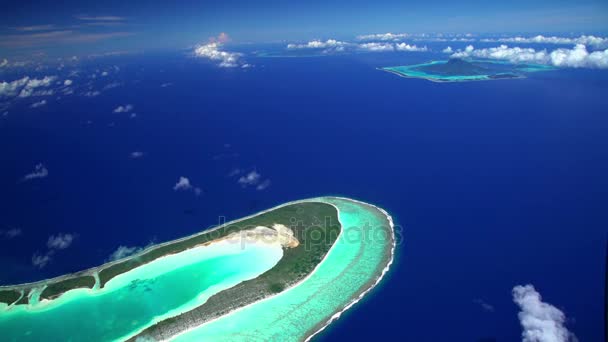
{"points": [[319, 44], [26, 87], [38, 104], [123, 109], [67, 82], [54, 244], [407, 47], [376, 47], [9, 89], [92, 93], [448, 50], [252, 178], [577, 57], [183, 184], [597, 42], [41, 260], [263, 185], [40, 171], [541, 322], [10, 233], [4, 63], [382, 36], [123, 252], [380, 45], [212, 51], [32, 84], [111, 85], [234, 172], [60, 241], [136, 155]]}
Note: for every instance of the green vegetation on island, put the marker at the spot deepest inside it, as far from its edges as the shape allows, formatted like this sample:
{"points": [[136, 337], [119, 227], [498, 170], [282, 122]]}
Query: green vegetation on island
{"points": [[296, 216], [56, 289], [315, 225], [9, 296]]}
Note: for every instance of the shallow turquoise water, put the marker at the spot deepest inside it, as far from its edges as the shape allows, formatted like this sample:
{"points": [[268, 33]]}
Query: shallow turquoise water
{"points": [[416, 72], [354, 260], [132, 301]]}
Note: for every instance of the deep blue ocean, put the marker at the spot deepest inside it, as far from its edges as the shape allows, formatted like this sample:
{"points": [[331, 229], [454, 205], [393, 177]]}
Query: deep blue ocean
{"points": [[495, 184]]}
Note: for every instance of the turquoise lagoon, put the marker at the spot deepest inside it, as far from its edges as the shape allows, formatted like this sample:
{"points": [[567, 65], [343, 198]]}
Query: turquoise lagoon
{"points": [[352, 266], [466, 70], [134, 300], [177, 283]]}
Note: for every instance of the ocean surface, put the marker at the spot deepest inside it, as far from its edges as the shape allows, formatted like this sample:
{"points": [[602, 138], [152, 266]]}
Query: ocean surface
{"points": [[495, 184]]}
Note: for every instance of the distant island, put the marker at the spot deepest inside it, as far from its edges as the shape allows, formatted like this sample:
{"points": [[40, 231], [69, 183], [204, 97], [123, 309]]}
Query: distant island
{"points": [[460, 70], [286, 272]]}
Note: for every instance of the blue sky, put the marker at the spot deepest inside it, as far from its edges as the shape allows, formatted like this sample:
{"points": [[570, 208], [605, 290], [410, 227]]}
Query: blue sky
{"points": [[81, 27]]}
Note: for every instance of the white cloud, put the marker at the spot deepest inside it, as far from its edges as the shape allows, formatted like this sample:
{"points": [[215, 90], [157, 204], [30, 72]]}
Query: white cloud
{"points": [[382, 36], [38, 104], [212, 51], [104, 74], [484, 305], [32, 84], [407, 47], [182, 184], [123, 252], [10, 233], [577, 57], [234, 172], [11, 88], [263, 185], [40, 171], [597, 42], [92, 93], [67, 82], [123, 109], [448, 50], [4, 63], [40, 260], [541, 322], [54, 243], [111, 85], [60, 241], [377, 47], [136, 155], [381, 45], [252, 178], [319, 44]]}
